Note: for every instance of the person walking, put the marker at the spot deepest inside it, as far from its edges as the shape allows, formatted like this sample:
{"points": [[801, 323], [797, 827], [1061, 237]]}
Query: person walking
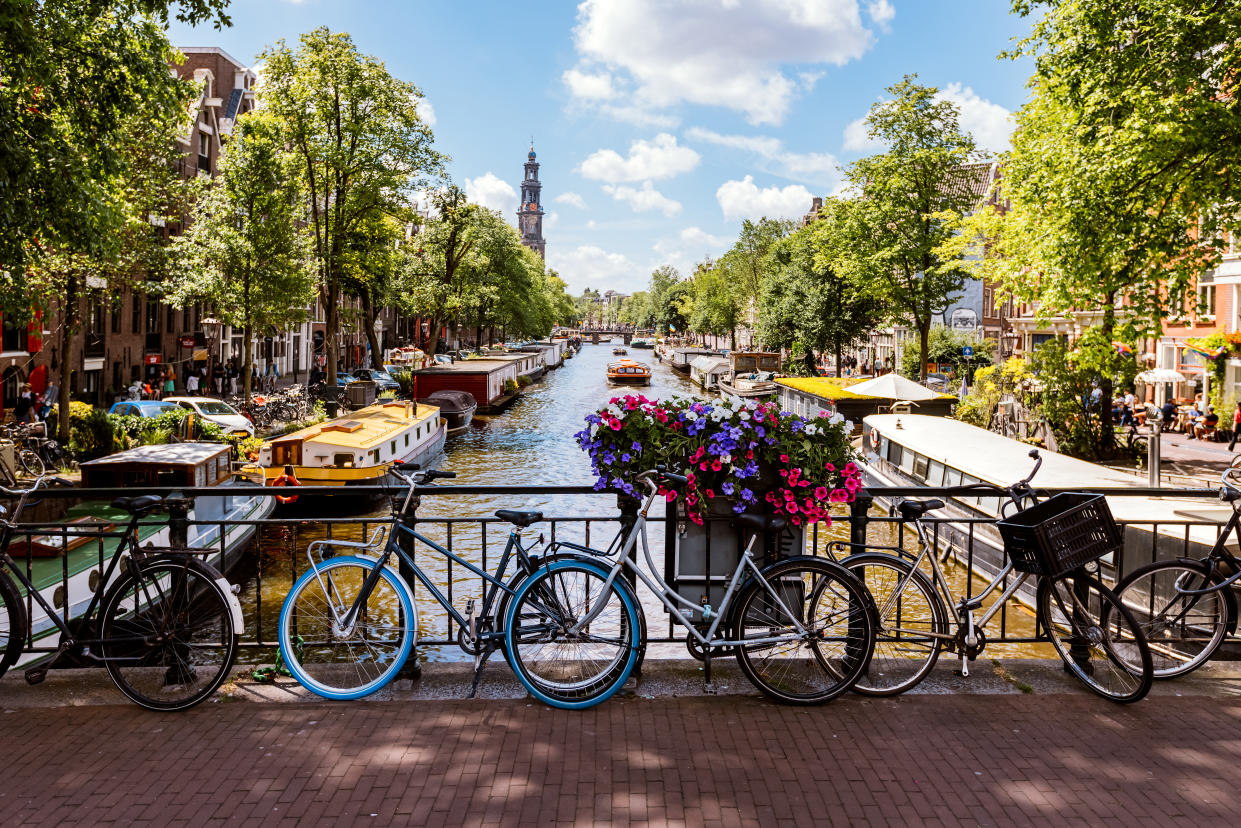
{"points": [[1236, 425], [191, 384], [23, 410], [170, 383], [233, 373]]}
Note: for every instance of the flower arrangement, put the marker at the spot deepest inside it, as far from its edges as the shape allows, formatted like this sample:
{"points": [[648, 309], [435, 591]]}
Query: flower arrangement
{"points": [[749, 452]]}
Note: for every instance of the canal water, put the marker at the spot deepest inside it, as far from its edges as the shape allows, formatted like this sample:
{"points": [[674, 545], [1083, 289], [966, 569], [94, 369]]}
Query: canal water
{"points": [[530, 444]]}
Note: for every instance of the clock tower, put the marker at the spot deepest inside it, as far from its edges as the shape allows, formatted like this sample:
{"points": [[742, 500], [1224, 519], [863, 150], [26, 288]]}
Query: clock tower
{"points": [[530, 214]]}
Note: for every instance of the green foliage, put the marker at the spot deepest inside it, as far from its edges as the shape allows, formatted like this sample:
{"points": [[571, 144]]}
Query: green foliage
{"points": [[510, 386], [1067, 377], [944, 346], [405, 379], [94, 435], [991, 383], [523, 381]]}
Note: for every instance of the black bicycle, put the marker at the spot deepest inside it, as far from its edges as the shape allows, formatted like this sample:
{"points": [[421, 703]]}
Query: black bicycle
{"points": [[164, 623]]}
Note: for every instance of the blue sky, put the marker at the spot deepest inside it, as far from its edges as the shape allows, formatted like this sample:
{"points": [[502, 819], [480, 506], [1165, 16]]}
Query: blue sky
{"points": [[659, 124]]}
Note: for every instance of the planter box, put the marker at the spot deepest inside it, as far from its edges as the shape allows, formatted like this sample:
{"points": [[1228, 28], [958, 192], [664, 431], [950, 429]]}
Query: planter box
{"points": [[700, 560]]}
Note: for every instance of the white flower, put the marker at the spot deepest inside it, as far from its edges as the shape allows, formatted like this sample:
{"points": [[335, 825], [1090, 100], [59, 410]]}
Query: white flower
{"points": [[690, 416], [812, 429], [848, 426], [744, 415], [836, 419], [649, 418]]}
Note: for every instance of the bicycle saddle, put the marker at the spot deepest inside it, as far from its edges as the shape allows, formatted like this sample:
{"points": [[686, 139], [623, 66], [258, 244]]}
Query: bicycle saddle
{"points": [[518, 518], [911, 509], [141, 506], [762, 523]]}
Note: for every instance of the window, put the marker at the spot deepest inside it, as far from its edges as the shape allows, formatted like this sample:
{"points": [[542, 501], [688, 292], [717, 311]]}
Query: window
{"points": [[14, 336], [171, 325], [152, 317], [135, 319], [185, 319], [204, 143], [1206, 301], [116, 318]]}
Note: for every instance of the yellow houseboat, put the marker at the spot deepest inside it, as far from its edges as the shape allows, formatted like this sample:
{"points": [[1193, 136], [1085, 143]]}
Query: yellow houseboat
{"points": [[356, 449]]}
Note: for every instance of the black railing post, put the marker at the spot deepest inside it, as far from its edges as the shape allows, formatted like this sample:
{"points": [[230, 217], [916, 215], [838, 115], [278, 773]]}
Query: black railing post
{"points": [[405, 541], [629, 507], [178, 519], [859, 511]]}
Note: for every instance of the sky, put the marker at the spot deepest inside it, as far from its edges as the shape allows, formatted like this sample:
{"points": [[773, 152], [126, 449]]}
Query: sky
{"points": [[660, 125]]}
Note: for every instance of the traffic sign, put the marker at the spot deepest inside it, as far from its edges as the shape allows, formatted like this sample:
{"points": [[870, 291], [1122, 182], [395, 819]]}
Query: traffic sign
{"points": [[968, 351]]}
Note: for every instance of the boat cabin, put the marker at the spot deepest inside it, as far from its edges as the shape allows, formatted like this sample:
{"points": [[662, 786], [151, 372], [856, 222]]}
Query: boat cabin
{"points": [[172, 464], [482, 378], [811, 396], [707, 371]]}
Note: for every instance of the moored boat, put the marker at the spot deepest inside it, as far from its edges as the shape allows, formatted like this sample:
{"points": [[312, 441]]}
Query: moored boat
{"points": [[456, 407], [751, 375], [65, 568], [629, 372], [352, 450], [619, 352]]}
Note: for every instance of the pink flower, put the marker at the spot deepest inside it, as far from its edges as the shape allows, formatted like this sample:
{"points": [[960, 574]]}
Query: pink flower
{"points": [[715, 465], [616, 426], [671, 496], [796, 521], [821, 492], [690, 477], [850, 469], [784, 458], [702, 466], [696, 518], [829, 467], [710, 494]]}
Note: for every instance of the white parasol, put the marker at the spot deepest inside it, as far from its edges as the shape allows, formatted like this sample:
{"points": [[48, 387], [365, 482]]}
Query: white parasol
{"points": [[1156, 376]]}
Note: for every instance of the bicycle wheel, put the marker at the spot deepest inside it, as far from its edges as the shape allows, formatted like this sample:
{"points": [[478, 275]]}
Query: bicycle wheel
{"points": [[809, 637], [1183, 631], [169, 632], [339, 662], [909, 614], [1098, 639], [13, 624], [30, 461], [558, 664]]}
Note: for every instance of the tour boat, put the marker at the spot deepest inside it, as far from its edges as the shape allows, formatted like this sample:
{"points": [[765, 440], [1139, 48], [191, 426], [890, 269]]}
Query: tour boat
{"points": [[353, 450], [66, 567], [619, 352], [751, 375], [920, 450], [629, 372], [456, 407]]}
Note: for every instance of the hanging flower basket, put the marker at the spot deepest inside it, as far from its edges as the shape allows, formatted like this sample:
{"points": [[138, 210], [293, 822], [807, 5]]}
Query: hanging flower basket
{"points": [[749, 453]]}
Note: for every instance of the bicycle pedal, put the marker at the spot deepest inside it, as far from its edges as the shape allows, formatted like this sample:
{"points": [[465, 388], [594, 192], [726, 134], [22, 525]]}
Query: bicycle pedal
{"points": [[36, 675]]}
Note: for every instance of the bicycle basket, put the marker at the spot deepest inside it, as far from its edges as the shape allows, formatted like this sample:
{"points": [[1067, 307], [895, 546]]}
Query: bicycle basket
{"points": [[1060, 534]]}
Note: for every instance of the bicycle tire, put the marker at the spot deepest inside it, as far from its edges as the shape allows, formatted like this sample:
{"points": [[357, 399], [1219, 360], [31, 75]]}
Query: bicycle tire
{"points": [[347, 664], [579, 671], [31, 462], [184, 605], [13, 623], [905, 648], [832, 606], [1096, 637], [1183, 631]]}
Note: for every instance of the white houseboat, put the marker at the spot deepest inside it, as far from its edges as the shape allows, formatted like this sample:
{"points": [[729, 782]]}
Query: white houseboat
{"points": [[707, 371]]}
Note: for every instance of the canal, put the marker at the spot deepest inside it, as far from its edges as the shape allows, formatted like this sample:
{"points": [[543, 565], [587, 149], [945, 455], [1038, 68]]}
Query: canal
{"points": [[530, 444]]}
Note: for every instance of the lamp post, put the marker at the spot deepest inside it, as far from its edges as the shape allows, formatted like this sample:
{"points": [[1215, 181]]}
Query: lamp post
{"points": [[378, 328], [211, 329]]}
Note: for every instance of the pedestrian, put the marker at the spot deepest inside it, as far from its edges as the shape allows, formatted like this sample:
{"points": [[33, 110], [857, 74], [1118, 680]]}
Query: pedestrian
{"points": [[23, 410], [254, 376], [233, 373], [170, 382], [1236, 425], [191, 385]]}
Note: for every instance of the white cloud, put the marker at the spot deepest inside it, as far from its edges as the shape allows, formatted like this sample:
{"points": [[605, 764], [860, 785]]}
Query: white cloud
{"points": [[588, 265], [638, 116], [731, 53], [990, 123], [641, 200], [857, 140], [572, 199], [492, 192], [551, 219], [591, 86], [743, 199], [648, 160], [816, 166], [689, 247], [426, 112], [881, 12]]}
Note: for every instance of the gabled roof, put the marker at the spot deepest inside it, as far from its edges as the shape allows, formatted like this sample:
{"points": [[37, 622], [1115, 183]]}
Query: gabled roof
{"points": [[972, 180]]}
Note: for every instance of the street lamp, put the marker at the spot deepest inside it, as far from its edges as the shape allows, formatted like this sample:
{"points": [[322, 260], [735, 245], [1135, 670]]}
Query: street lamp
{"points": [[378, 327], [212, 328]]}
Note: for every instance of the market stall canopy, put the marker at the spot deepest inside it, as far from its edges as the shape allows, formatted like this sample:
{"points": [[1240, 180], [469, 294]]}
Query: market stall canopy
{"points": [[895, 387], [1157, 375]]}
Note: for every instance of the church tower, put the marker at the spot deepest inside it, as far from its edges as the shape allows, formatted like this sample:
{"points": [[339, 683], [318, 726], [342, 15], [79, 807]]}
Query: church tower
{"points": [[530, 214]]}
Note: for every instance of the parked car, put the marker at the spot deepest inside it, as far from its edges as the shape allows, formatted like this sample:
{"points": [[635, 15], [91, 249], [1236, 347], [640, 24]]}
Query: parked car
{"points": [[141, 408], [218, 412], [382, 379]]}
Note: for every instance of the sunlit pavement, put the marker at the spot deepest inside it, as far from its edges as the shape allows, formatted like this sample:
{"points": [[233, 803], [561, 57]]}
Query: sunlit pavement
{"points": [[991, 750]]}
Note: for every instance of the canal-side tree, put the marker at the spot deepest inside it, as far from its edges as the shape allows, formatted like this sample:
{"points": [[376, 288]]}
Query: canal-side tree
{"points": [[910, 199], [371, 259], [244, 252], [77, 74], [748, 264], [717, 300], [360, 143]]}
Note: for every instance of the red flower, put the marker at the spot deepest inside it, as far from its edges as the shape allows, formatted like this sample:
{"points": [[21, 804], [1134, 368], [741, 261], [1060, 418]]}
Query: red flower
{"points": [[710, 494], [784, 458]]}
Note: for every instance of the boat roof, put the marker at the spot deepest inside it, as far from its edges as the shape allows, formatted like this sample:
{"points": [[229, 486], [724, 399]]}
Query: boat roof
{"points": [[181, 454], [709, 363], [840, 388], [628, 363], [994, 458], [364, 428], [468, 366]]}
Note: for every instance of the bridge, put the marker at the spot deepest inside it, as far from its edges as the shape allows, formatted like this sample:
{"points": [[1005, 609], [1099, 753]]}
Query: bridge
{"points": [[596, 334]]}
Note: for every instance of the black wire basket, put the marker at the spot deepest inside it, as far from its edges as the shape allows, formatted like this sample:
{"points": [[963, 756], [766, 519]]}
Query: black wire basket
{"points": [[1060, 534]]}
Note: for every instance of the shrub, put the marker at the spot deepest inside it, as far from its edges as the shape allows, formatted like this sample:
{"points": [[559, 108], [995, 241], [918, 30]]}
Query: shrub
{"points": [[404, 378], [523, 381], [94, 435], [510, 386]]}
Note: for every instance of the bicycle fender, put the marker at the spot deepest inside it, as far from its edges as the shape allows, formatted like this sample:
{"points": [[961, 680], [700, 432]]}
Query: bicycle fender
{"points": [[234, 605]]}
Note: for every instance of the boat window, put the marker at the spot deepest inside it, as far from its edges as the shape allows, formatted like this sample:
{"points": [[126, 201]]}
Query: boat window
{"points": [[967, 480], [935, 473], [375, 455], [907, 461], [920, 467], [894, 453], [392, 447], [344, 461], [952, 477], [407, 438], [200, 474]]}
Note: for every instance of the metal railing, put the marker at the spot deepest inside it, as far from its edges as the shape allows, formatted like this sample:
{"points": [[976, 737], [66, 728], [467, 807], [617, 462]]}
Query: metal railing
{"points": [[266, 555]]}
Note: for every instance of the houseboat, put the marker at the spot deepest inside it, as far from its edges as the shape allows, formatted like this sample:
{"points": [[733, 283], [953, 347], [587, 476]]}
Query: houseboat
{"points": [[492, 383], [707, 371], [919, 450], [530, 364], [456, 407], [629, 372], [680, 357], [751, 375], [811, 396], [353, 450], [643, 342], [66, 567]]}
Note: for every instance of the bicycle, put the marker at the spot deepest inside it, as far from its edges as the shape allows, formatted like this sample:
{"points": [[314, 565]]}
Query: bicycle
{"points": [[357, 618], [1098, 640], [1185, 605], [165, 624], [801, 629]]}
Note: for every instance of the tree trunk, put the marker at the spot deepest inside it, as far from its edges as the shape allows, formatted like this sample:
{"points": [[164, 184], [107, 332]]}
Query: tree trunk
{"points": [[68, 330], [840, 355], [371, 312], [332, 326], [924, 346], [433, 337], [1107, 435], [247, 348]]}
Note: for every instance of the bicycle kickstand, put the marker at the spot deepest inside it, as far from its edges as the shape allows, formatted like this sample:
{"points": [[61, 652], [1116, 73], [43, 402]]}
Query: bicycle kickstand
{"points": [[707, 686], [480, 661]]}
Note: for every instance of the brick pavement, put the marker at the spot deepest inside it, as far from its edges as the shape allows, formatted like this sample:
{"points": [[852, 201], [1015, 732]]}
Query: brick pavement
{"points": [[986, 760]]}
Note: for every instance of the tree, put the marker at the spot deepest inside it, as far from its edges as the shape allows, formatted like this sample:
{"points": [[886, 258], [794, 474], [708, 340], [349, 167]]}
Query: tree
{"points": [[747, 263], [361, 145], [371, 258], [75, 77], [717, 302], [243, 251], [822, 296], [946, 347], [910, 199]]}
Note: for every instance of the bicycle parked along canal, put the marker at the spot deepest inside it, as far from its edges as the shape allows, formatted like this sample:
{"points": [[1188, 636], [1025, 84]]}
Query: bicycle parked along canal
{"points": [[1098, 639], [350, 621], [165, 624], [802, 629]]}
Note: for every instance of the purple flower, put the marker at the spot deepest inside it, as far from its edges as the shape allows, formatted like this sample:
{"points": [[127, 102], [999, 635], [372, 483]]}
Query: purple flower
{"points": [[796, 425], [625, 458], [636, 446], [727, 487], [747, 495]]}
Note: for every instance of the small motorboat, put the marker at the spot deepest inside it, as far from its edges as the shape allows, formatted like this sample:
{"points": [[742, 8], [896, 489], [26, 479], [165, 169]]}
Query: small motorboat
{"points": [[629, 372], [619, 352], [456, 407]]}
